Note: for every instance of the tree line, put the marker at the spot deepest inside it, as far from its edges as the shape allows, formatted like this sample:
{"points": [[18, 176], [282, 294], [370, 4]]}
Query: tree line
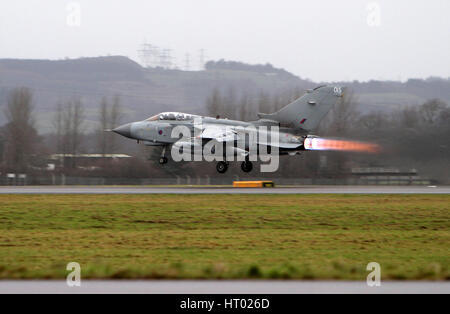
{"points": [[411, 136], [22, 148]]}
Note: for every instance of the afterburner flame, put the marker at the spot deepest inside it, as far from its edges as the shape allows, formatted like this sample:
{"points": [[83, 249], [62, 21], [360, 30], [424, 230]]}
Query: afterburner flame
{"points": [[319, 143]]}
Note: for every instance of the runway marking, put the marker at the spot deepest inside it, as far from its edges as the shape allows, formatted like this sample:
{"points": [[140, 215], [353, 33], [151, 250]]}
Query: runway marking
{"points": [[223, 287], [224, 190]]}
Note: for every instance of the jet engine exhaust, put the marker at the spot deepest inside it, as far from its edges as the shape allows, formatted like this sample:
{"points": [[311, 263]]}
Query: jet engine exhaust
{"points": [[320, 143]]}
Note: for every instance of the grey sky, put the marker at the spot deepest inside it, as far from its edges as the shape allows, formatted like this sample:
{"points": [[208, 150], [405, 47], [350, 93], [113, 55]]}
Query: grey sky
{"points": [[320, 40]]}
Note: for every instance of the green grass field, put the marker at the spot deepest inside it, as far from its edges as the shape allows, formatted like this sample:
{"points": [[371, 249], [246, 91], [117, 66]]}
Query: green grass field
{"points": [[225, 236]]}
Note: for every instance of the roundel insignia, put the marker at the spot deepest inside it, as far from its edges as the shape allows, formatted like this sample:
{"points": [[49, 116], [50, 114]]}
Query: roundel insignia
{"points": [[160, 132]]}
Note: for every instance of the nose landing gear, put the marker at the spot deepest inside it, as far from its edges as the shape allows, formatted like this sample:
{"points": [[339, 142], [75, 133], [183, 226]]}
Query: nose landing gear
{"points": [[163, 159]]}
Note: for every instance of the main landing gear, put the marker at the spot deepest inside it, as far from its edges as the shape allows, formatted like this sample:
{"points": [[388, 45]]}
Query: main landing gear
{"points": [[246, 166], [222, 166]]}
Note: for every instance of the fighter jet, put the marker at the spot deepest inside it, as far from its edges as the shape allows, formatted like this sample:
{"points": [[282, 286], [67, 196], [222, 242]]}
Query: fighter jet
{"points": [[293, 124]]}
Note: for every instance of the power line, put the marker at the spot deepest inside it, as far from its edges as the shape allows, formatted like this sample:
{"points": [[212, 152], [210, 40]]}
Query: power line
{"points": [[149, 54], [187, 61], [202, 59]]}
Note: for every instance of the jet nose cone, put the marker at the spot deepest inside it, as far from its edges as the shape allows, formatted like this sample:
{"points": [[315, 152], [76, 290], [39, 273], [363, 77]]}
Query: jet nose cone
{"points": [[124, 130]]}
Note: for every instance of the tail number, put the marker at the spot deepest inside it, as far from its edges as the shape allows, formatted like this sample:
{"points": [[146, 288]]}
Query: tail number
{"points": [[338, 91]]}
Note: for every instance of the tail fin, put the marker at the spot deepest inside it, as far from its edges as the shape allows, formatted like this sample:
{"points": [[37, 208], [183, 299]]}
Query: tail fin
{"points": [[306, 112]]}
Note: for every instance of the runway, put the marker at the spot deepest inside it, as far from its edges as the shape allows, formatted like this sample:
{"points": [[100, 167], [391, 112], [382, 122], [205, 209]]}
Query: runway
{"points": [[310, 189], [222, 287]]}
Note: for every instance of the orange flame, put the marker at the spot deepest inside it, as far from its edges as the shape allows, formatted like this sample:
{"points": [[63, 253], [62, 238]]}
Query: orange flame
{"points": [[318, 143]]}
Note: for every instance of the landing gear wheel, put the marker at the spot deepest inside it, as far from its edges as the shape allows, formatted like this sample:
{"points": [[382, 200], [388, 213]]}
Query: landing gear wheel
{"points": [[163, 160], [222, 167], [246, 166]]}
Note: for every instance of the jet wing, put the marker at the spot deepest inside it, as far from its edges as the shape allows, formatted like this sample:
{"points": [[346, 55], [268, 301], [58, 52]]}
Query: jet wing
{"points": [[218, 132], [222, 133]]}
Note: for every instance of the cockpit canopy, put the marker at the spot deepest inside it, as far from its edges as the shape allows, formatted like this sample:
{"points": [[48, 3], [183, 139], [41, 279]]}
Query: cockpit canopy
{"points": [[171, 116]]}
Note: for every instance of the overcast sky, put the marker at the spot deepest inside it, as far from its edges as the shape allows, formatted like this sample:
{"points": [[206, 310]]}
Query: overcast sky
{"points": [[323, 40]]}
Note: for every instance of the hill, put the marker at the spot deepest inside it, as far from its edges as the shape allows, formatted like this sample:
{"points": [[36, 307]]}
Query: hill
{"points": [[146, 91]]}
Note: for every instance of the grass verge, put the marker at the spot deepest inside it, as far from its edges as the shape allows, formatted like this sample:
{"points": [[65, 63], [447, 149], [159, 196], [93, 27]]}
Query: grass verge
{"points": [[225, 236]]}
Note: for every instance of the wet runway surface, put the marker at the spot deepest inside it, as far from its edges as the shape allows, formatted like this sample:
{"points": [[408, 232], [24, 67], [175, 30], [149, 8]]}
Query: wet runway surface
{"points": [[224, 190], [222, 287]]}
